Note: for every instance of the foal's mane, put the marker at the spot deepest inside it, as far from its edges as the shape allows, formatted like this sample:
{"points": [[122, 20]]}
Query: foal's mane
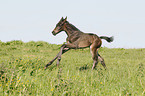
{"points": [[71, 26]]}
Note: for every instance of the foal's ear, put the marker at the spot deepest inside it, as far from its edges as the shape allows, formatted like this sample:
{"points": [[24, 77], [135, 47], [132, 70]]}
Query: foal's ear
{"points": [[65, 18], [61, 19]]}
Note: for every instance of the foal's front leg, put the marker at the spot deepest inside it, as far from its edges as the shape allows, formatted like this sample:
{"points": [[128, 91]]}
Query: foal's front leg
{"points": [[62, 51], [65, 48]]}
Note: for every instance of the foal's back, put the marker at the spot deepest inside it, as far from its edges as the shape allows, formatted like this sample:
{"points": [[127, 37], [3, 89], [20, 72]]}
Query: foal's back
{"points": [[86, 39]]}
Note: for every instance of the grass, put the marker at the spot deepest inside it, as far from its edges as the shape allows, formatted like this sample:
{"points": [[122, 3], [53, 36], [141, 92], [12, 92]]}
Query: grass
{"points": [[22, 71]]}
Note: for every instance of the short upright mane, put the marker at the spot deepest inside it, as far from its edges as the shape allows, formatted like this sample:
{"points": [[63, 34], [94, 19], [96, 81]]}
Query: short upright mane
{"points": [[71, 26]]}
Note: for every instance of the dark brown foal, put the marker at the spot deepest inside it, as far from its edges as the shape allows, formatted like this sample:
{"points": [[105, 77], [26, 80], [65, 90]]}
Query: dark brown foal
{"points": [[77, 40]]}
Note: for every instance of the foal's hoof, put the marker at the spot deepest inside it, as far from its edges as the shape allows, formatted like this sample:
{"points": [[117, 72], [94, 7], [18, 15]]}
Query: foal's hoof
{"points": [[48, 65], [45, 68]]}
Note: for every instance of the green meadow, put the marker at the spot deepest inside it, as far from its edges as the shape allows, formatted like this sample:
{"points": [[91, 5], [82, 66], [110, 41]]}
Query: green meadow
{"points": [[22, 71]]}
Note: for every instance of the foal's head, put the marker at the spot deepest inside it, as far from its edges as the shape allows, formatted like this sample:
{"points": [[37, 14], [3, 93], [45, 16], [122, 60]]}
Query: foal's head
{"points": [[59, 26]]}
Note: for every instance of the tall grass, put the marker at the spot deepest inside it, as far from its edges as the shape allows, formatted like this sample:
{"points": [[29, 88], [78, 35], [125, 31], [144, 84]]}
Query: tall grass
{"points": [[22, 71]]}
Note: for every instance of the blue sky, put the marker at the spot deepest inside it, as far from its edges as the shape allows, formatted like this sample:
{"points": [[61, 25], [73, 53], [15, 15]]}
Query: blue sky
{"points": [[29, 20]]}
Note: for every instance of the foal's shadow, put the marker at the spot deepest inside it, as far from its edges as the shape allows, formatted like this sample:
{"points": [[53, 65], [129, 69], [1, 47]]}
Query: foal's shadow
{"points": [[85, 67]]}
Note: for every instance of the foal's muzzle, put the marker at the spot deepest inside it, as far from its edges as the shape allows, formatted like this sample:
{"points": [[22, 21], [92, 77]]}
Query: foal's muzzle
{"points": [[53, 33]]}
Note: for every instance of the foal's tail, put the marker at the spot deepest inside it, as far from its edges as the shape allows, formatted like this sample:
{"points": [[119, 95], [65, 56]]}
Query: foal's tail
{"points": [[108, 39]]}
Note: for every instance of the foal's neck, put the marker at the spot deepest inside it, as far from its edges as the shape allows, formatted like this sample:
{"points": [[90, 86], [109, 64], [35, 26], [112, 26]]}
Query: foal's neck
{"points": [[70, 29]]}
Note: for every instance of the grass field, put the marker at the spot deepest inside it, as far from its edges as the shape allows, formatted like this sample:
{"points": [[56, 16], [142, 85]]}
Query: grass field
{"points": [[22, 71]]}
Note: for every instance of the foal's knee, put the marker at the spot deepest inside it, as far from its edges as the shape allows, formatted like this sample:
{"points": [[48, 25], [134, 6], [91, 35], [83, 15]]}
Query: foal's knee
{"points": [[59, 58]]}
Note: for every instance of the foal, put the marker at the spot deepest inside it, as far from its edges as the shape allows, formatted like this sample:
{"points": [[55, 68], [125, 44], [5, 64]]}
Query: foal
{"points": [[76, 40]]}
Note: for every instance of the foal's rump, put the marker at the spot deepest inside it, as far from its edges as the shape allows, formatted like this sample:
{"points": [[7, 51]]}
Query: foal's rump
{"points": [[87, 39]]}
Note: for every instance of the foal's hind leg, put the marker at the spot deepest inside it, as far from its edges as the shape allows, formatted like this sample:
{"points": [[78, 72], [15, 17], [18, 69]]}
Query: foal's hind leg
{"points": [[101, 59], [94, 56]]}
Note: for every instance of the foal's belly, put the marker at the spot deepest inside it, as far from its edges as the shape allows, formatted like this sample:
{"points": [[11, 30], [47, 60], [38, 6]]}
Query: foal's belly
{"points": [[83, 44], [86, 40]]}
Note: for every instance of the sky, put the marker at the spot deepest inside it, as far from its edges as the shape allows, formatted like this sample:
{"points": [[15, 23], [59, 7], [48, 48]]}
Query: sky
{"points": [[34, 20]]}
